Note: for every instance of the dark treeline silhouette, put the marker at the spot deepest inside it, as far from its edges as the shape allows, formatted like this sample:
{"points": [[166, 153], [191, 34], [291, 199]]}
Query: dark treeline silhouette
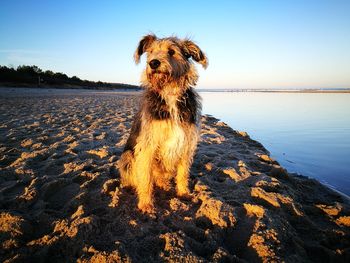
{"points": [[33, 76]]}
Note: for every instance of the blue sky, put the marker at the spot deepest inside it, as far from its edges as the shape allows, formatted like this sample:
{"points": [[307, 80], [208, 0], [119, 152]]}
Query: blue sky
{"points": [[250, 44]]}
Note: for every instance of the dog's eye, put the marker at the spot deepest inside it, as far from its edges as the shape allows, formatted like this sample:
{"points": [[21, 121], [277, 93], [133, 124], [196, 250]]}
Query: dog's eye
{"points": [[171, 52], [187, 55]]}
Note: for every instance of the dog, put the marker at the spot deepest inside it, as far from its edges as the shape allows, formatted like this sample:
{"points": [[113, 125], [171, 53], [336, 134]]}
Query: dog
{"points": [[165, 131]]}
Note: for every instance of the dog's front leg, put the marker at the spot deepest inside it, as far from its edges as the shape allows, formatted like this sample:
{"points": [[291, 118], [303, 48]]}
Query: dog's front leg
{"points": [[182, 177], [144, 182]]}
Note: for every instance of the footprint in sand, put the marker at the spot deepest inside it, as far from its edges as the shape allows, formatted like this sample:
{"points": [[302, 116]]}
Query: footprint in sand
{"points": [[58, 192]]}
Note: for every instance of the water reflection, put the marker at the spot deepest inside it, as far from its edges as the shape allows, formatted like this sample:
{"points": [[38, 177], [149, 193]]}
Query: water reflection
{"points": [[308, 133]]}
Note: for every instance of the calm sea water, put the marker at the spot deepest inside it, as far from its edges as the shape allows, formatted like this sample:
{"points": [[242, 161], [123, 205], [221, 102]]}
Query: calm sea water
{"points": [[307, 133]]}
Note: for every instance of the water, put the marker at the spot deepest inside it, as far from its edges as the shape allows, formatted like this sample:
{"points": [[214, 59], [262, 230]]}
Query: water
{"points": [[307, 133]]}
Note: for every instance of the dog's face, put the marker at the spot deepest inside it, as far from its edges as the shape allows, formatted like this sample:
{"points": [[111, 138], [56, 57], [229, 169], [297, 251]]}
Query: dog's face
{"points": [[169, 60]]}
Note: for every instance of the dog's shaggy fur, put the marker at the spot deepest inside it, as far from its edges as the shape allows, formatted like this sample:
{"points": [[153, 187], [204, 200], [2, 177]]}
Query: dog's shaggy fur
{"points": [[164, 134]]}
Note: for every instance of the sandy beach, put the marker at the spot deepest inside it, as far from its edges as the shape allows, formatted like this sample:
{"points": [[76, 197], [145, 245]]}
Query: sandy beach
{"points": [[61, 201]]}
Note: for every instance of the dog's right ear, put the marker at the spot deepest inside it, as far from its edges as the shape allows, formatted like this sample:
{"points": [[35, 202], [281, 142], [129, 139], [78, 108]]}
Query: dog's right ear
{"points": [[193, 51], [145, 42]]}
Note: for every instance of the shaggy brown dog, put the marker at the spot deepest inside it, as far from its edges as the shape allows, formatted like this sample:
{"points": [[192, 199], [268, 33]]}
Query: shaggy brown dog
{"points": [[164, 134]]}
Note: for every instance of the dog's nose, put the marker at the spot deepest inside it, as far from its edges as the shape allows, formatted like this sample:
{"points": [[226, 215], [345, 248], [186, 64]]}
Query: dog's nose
{"points": [[154, 63]]}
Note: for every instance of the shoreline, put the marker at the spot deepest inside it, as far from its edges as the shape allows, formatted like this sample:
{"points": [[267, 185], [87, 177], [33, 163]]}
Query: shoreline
{"points": [[60, 194], [280, 91], [331, 187]]}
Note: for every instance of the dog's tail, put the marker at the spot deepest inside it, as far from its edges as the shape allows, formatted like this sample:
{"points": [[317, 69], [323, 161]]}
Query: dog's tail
{"points": [[126, 166]]}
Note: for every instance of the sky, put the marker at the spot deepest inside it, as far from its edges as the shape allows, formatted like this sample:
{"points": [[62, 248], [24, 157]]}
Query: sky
{"points": [[250, 44]]}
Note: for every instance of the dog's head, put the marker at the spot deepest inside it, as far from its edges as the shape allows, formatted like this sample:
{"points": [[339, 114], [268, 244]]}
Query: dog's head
{"points": [[169, 60]]}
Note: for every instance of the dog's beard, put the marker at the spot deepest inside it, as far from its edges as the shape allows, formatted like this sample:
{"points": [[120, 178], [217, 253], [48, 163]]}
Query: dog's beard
{"points": [[158, 79]]}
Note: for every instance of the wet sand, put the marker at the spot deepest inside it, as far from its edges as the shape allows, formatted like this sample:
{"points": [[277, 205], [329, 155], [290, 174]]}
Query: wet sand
{"points": [[61, 201]]}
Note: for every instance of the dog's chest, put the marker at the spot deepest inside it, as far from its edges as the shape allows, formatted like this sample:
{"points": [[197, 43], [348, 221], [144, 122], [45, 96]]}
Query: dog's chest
{"points": [[169, 137]]}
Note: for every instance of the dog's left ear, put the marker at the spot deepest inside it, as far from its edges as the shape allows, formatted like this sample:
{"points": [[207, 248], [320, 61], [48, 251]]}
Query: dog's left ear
{"points": [[195, 52], [144, 43]]}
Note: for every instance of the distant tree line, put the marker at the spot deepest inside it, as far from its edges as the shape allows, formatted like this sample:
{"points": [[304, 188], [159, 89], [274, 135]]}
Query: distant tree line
{"points": [[33, 76]]}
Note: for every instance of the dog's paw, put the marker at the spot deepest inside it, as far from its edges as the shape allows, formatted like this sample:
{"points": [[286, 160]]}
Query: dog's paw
{"points": [[147, 209]]}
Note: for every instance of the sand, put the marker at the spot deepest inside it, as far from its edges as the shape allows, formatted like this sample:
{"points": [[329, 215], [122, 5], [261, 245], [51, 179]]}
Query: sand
{"points": [[61, 201]]}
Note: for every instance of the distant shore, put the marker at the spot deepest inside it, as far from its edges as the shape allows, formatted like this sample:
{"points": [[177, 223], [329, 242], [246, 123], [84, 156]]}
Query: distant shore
{"points": [[129, 87], [35, 77], [279, 90]]}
